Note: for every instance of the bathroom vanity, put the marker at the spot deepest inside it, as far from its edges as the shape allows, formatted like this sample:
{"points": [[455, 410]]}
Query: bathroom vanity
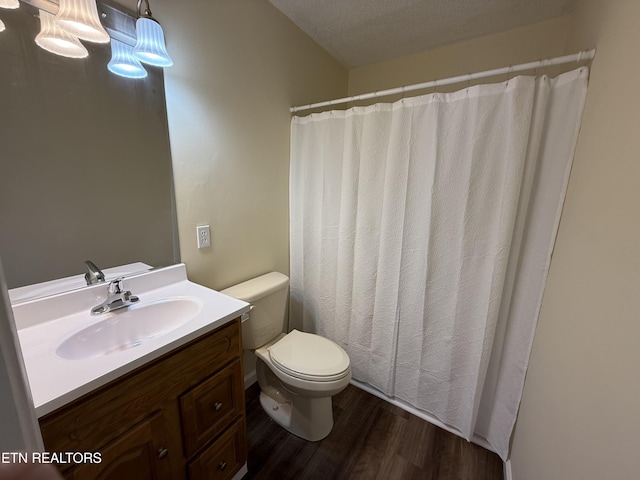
{"points": [[165, 404], [182, 412]]}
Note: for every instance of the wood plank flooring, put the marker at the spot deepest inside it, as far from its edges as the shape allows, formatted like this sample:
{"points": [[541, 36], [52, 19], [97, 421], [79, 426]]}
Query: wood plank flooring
{"points": [[371, 439]]}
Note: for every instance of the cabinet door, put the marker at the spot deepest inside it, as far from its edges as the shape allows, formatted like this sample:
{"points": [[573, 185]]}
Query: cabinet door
{"points": [[139, 453]]}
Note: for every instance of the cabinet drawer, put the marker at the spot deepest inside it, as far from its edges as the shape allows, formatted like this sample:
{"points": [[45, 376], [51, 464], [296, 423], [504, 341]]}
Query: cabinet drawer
{"points": [[223, 458], [209, 407]]}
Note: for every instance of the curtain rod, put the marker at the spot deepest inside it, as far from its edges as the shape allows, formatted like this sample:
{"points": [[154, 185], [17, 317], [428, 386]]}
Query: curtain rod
{"points": [[576, 57]]}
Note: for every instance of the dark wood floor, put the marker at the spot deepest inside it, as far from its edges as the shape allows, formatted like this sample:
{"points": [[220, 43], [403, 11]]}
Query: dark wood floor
{"points": [[371, 439]]}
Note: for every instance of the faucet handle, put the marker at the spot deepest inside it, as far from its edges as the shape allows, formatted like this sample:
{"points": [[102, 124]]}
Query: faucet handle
{"points": [[115, 286], [117, 298]]}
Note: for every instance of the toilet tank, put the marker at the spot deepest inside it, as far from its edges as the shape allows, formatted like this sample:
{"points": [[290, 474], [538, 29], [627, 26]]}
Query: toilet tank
{"points": [[267, 295]]}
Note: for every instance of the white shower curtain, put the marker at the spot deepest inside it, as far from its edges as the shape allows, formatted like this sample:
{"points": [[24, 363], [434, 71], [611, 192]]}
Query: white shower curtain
{"points": [[421, 236]]}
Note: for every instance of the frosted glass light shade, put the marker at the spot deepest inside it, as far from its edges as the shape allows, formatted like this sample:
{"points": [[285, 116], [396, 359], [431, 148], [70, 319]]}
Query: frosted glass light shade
{"points": [[80, 18], [55, 40], [9, 3], [1, 26], [150, 47], [123, 62]]}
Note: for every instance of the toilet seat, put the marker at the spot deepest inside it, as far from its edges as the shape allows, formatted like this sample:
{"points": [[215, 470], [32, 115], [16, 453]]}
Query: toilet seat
{"points": [[309, 357]]}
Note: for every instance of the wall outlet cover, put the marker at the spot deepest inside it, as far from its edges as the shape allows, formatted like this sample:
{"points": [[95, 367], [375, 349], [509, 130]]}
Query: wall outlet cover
{"points": [[204, 236]]}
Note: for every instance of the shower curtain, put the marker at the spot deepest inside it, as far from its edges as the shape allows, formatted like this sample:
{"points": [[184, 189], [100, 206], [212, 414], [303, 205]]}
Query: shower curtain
{"points": [[421, 236]]}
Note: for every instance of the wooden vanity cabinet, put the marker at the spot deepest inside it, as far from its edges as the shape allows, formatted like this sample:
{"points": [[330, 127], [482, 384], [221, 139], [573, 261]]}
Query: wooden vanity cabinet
{"points": [[180, 416]]}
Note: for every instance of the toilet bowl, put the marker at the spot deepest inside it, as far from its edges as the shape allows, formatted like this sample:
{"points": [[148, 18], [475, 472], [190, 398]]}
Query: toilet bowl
{"points": [[297, 372]]}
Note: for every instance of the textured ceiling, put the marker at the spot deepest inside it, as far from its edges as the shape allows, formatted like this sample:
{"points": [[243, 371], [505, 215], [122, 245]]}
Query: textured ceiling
{"points": [[363, 32]]}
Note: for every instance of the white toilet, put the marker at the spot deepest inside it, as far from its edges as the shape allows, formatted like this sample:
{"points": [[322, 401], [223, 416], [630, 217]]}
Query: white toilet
{"points": [[298, 372]]}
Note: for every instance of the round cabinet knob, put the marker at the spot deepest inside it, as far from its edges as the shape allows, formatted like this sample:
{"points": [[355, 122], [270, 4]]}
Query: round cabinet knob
{"points": [[222, 466], [217, 406], [162, 453]]}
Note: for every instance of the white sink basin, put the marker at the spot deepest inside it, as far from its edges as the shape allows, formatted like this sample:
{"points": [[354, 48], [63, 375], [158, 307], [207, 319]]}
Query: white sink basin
{"points": [[68, 352], [130, 327]]}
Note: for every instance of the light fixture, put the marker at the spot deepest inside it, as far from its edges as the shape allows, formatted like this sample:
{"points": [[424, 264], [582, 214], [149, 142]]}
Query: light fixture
{"points": [[63, 23], [55, 40], [150, 46], [1, 26], [80, 18], [9, 3], [123, 62]]}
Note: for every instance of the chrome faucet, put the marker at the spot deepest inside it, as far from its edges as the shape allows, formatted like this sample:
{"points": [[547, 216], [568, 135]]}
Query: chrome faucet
{"points": [[94, 275], [116, 298]]}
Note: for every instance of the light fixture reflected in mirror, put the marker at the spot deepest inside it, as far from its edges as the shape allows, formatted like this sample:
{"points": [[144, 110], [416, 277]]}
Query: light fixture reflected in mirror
{"points": [[150, 45], [2, 26], [123, 63], [9, 3], [55, 40], [139, 39], [80, 18]]}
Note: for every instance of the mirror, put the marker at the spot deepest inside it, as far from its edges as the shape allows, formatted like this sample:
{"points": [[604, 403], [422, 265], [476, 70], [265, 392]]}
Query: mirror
{"points": [[85, 161]]}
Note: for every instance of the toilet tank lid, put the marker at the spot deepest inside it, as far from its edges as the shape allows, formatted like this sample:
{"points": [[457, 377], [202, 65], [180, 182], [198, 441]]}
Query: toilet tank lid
{"points": [[258, 287]]}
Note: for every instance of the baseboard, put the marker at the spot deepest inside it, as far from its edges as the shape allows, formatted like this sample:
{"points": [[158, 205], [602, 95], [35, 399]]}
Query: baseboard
{"points": [[243, 471], [249, 379], [408, 408], [508, 475]]}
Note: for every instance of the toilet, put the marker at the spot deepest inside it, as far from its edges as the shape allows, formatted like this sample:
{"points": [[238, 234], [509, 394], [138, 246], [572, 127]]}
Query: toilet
{"points": [[297, 372]]}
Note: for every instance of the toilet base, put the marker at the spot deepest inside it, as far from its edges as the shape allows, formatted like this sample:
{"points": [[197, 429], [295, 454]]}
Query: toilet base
{"points": [[308, 418], [277, 407]]}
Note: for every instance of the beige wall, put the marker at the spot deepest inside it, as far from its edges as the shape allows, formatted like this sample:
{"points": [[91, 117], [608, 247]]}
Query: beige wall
{"points": [[525, 44], [239, 66], [580, 413]]}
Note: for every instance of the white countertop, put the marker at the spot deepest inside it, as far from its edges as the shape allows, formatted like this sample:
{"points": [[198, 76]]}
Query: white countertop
{"points": [[43, 324]]}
